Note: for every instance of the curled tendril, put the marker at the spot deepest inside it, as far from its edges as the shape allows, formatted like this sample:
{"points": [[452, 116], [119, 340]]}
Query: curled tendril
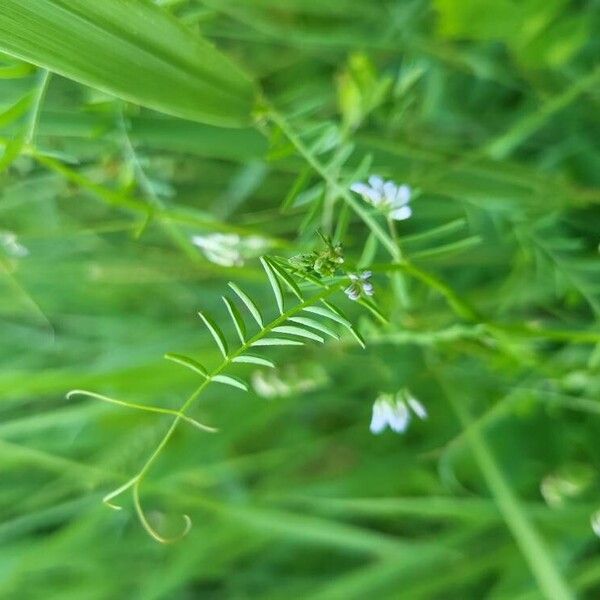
{"points": [[134, 483], [187, 522], [107, 499], [152, 409]]}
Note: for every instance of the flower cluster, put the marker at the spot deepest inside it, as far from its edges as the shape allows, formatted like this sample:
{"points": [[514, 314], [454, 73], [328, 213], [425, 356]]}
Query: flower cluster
{"points": [[387, 196], [324, 262], [394, 411], [229, 249], [360, 285]]}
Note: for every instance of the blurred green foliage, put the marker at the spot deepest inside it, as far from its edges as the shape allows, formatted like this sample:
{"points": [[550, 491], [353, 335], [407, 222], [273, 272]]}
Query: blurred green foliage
{"points": [[492, 296]]}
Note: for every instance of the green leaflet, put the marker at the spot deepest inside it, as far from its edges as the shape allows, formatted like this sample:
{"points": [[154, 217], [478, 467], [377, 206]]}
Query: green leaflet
{"points": [[277, 342], [286, 278], [323, 312], [334, 310], [248, 302], [234, 313], [230, 380], [254, 360], [134, 50], [299, 331], [277, 291], [315, 325], [216, 333], [188, 362]]}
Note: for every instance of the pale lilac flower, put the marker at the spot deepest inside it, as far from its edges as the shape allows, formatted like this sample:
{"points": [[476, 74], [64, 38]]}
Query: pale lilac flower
{"points": [[394, 411], [229, 249], [386, 196], [11, 245], [360, 284]]}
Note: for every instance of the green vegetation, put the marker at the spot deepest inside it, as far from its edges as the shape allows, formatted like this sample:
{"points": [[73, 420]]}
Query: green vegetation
{"points": [[205, 299]]}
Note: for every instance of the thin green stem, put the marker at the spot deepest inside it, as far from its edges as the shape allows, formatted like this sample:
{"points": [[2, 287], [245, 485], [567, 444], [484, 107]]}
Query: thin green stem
{"points": [[180, 415], [343, 193], [532, 546], [38, 100]]}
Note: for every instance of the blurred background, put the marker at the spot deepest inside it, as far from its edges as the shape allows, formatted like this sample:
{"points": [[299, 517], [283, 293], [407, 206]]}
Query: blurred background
{"points": [[489, 111]]}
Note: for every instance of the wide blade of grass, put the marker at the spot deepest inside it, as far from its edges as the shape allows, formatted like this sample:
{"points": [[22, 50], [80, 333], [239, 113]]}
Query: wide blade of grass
{"points": [[133, 50]]}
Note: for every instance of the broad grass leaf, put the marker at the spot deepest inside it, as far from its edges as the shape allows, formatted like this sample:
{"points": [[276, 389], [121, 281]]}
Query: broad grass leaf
{"points": [[134, 50]]}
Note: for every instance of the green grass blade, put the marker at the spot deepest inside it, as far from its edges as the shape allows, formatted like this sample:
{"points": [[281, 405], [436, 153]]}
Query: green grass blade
{"points": [[531, 544], [133, 50]]}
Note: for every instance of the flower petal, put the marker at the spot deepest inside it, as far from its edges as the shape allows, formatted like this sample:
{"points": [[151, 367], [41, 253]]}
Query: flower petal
{"points": [[417, 407], [403, 196], [376, 183], [359, 187], [400, 214], [390, 191], [400, 417], [378, 420]]}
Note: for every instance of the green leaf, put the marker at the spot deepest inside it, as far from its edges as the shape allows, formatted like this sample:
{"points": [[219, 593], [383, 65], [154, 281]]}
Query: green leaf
{"points": [[300, 183], [12, 151], [286, 278], [373, 309], [248, 303], [134, 50], [254, 360], [231, 380], [216, 333], [234, 313], [188, 362], [315, 325], [299, 331], [328, 314], [277, 342], [16, 71], [277, 291], [344, 321], [17, 110]]}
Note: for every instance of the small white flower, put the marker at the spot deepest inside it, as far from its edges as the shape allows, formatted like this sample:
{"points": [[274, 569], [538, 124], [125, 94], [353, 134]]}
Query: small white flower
{"points": [[386, 196], [395, 411], [595, 522], [360, 284], [229, 249], [10, 244]]}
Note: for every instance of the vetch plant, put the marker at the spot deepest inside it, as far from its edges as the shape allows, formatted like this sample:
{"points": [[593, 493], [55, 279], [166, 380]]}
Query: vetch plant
{"points": [[291, 327]]}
